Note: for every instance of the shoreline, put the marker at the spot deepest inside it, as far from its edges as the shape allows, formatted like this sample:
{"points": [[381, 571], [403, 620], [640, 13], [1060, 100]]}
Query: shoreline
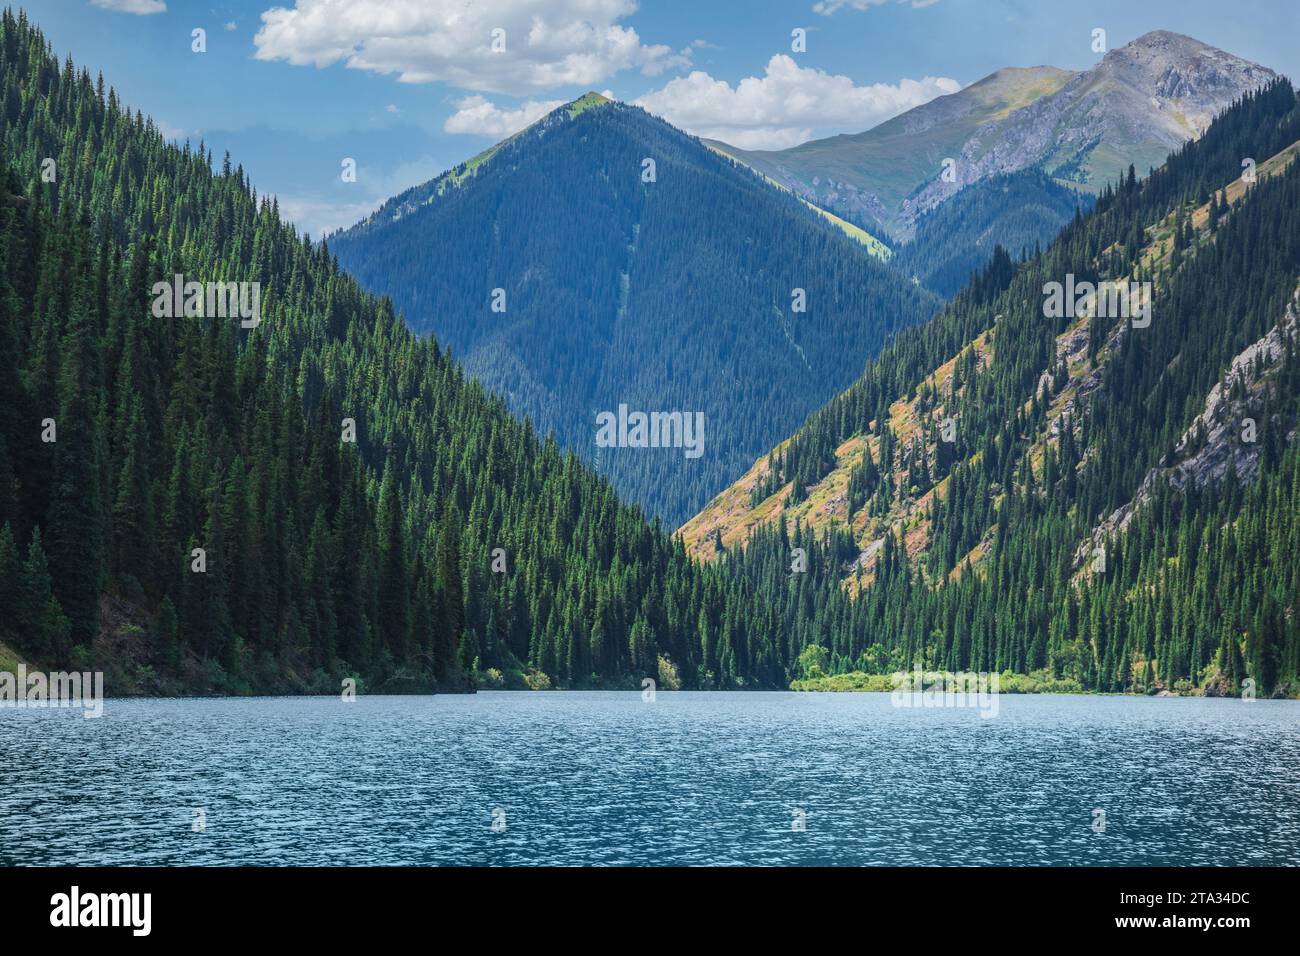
{"points": [[803, 687]]}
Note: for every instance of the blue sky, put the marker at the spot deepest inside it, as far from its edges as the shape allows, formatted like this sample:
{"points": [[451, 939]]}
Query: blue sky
{"points": [[408, 88]]}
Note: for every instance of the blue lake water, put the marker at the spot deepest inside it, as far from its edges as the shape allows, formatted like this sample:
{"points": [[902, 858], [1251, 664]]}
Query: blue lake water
{"points": [[692, 778]]}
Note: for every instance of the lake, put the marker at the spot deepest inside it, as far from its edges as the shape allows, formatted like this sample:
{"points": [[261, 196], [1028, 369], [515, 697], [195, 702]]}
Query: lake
{"points": [[512, 778]]}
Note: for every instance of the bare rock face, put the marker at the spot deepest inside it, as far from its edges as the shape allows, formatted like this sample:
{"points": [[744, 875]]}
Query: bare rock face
{"points": [[1213, 446], [1142, 101], [1221, 440]]}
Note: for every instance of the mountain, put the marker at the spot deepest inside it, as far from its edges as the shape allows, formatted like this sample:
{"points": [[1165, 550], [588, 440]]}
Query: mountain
{"points": [[1069, 498], [1018, 211], [866, 177], [1141, 101], [690, 285], [1101, 497], [1084, 130], [202, 504]]}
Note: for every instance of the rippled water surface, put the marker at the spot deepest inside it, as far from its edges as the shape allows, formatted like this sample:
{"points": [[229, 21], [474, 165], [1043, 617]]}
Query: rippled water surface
{"points": [[693, 778]]}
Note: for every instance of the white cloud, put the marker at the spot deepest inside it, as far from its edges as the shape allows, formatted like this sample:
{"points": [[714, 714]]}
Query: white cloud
{"points": [[170, 132], [479, 117], [785, 106], [230, 25], [828, 7], [319, 214], [760, 137], [548, 43], [140, 7], [319, 217]]}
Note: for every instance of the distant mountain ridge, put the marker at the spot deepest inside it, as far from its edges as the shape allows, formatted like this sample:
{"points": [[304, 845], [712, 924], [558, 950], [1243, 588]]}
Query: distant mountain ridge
{"points": [[1141, 101], [867, 176], [638, 267]]}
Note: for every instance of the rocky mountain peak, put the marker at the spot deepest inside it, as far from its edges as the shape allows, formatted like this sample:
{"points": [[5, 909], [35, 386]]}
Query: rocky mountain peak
{"points": [[1176, 67]]}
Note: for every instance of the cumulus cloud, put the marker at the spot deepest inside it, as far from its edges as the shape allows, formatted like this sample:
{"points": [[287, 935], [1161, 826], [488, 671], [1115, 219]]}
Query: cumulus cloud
{"points": [[140, 7], [477, 116], [547, 43], [788, 105]]}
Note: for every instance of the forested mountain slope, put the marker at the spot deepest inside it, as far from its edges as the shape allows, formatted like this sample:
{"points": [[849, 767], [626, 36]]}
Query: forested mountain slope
{"points": [[180, 503], [128, 441], [603, 258], [1086, 496], [1020, 212]]}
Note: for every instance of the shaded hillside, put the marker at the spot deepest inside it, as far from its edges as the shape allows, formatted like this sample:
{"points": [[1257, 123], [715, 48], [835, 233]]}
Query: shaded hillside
{"points": [[676, 294], [1021, 212]]}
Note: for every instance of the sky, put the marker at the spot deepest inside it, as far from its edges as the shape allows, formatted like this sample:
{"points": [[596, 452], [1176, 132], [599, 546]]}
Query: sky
{"points": [[409, 88]]}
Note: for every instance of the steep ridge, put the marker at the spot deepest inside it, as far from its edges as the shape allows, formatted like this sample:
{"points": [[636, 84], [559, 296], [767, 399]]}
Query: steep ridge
{"points": [[602, 258], [951, 488], [410, 200]]}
